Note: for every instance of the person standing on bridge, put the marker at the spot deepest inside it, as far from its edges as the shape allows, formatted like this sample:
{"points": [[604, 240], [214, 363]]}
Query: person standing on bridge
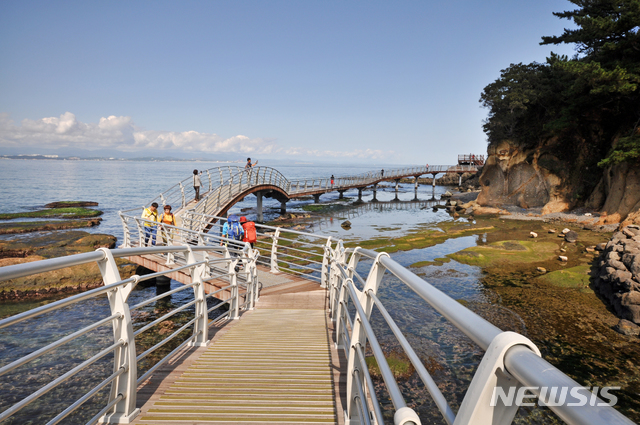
{"points": [[331, 179], [196, 184], [249, 164], [151, 216], [167, 218], [382, 173]]}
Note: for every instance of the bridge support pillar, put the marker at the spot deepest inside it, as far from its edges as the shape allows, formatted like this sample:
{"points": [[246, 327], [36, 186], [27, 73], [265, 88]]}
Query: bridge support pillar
{"points": [[433, 182], [359, 201], [341, 192], [459, 179], [259, 215], [415, 189], [397, 187], [375, 192], [316, 198], [283, 207]]}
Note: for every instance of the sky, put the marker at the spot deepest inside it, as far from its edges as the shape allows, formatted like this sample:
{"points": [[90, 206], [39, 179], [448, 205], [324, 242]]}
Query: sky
{"points": [[329, 81]]}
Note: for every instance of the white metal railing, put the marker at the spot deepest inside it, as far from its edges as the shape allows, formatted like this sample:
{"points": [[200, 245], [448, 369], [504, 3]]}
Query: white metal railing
{"points": [[510, 359], [224, 186], [290, 250], [213, 263], [182, 193], [319, 258]]}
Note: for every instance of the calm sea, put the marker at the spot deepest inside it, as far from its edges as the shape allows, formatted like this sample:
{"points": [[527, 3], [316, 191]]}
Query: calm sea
{"points": [[28, 185]]}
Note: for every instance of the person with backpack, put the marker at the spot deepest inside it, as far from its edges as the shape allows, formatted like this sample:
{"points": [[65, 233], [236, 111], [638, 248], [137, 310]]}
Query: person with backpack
{"points": [[167, 218], [232, 229], [250, 234]]}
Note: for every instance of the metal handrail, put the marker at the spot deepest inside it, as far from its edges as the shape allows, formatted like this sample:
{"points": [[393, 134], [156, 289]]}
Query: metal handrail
{"points": [[118, 290]]}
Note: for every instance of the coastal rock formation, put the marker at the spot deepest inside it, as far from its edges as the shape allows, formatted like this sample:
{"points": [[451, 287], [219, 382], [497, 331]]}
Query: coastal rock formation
{"points": [[617, 195], [535, 177], [514, 176], [618, 279]]}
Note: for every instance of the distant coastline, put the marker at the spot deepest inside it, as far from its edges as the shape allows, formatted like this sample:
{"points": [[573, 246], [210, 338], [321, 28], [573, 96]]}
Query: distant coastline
{"points": [[98, 158]]}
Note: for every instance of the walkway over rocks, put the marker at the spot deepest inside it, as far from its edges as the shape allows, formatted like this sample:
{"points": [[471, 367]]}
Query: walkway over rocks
{"points": [[274, 365]]}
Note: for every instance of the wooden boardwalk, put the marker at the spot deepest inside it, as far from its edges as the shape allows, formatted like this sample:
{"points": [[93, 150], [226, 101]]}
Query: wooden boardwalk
{"points": [[276, 364]]}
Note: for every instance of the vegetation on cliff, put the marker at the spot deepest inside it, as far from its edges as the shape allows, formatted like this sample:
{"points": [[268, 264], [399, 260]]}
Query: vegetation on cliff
{"points": [[584, 110]]}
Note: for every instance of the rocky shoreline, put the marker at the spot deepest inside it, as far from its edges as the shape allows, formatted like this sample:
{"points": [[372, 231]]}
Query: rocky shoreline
{"points": [[618, 276]]}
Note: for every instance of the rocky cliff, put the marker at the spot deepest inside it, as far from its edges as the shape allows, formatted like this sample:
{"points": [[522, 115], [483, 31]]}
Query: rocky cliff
{"points": [[536, 177]]}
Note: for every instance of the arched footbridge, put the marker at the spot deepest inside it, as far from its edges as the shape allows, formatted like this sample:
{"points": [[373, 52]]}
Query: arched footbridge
{"points": [[225, 186], [278, 333]]}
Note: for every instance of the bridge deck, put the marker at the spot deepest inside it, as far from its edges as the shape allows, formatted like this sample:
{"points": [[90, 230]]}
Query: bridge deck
{"points": [[275, 365]]}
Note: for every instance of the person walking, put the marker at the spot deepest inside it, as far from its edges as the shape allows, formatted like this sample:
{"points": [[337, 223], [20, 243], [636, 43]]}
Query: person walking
{"points": [[196, 184], [250, 234], [169, 219], [331, 179], [382, 173], [150, 215]]}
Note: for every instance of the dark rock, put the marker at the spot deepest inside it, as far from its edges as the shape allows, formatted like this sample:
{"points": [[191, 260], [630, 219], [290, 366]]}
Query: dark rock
{"points": [[571, 236], [601, 246], [626, 327], [346, 224]]}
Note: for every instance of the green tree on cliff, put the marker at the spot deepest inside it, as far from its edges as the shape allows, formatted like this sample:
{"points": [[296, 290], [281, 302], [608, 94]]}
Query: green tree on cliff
{"points": [[591, 102]]}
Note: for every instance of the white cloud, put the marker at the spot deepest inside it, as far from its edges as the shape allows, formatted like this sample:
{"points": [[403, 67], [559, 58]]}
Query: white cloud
{"points": [[121, 133]]}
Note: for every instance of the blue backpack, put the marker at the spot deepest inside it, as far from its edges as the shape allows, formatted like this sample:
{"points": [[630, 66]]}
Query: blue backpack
{"points": [[235, 228]]}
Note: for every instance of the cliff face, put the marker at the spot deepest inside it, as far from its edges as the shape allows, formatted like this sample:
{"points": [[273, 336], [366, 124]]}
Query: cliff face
{"points": [[617, 196], [535, 177], [526, 178]]}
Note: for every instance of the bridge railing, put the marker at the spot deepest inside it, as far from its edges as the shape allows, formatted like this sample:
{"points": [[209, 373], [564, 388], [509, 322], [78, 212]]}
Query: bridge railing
{"points": [[291, 251], [511, 361], [235, 185], [353, 299], [204, 263], [182, 193]]}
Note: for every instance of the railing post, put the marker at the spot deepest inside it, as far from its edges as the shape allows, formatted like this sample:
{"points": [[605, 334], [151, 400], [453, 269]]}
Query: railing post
{"points": [[210, 185], [478, 405], [338, 292], [201, 325], [325, 262], [125, 230], [184, 201], [124, 357], [234, 305], [140, 232], [274, 250], [358, 334]]}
